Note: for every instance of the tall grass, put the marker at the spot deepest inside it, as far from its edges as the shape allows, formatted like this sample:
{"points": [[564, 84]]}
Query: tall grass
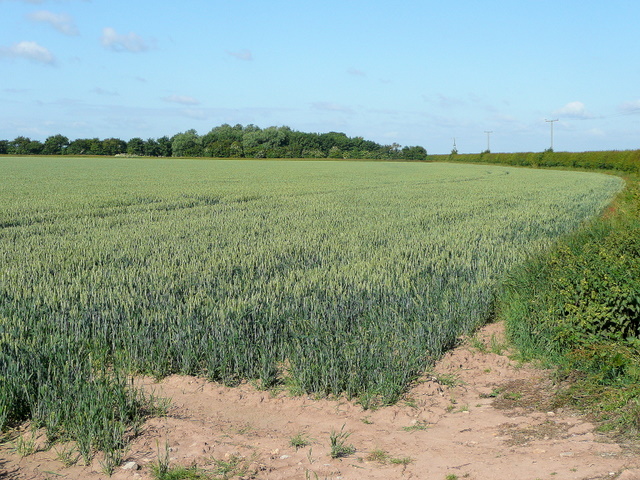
{"points": [[578, 307], [335, 278]]}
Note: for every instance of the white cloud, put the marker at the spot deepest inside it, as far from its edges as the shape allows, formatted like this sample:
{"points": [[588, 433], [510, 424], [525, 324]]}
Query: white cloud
{"points": [[130, 42], [331, 107], [245, 55], [60, 21], [195, 114], [30, 51], [574, 110], [356, 73], [630, 107], [595, 132], [16, 90], [181, 99], [102, 91], [444, 101]]}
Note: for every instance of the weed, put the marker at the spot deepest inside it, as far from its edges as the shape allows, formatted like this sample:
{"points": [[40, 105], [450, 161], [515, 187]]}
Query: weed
{"points": [[25, 446], [180, 472], [411, 402], [512, 396], [245, 429], [379, 456], [448, 379], [161, 467], [233, 466], [339, 447], [67, 454], [299, 440], [496, 346], [477, 343], [418, 425], [111, 459], [495, 392]]}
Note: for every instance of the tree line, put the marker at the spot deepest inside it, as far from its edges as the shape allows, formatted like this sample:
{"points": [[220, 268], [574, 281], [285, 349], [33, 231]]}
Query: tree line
{"points": [[224, 141]]}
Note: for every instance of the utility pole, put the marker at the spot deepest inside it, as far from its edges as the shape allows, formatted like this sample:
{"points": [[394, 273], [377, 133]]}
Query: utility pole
{"points": [[488, 140], [551, 122]]}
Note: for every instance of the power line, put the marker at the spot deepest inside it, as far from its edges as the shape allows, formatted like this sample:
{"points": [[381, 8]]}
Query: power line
{"points": [[629, 111]]}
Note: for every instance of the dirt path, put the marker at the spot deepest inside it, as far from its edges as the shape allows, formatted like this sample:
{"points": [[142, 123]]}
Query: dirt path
{"points": [[478, 416]]}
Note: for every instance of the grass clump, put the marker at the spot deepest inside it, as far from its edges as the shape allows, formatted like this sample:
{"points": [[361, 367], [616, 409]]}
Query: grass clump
{"points": [[401, 460], [378, 455], [383, 457], [339, 446], [419, 425], [234, 466], [180, 472], [299, 440]]}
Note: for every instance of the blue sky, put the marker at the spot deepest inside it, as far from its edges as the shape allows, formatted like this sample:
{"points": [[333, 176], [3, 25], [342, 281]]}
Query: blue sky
{"points": [[409, 72]]}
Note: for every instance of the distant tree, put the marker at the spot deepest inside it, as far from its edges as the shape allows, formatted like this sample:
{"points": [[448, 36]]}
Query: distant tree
{"points": [[414, 153], [187, 144], [55, 145], [313, 153], [113, 146], [165, 147], [223, 141], [250, 128], [18, 146], [270, 142], [24, 146], [335, 152], [34, 147], [226, 134], [95, 147], [80, 146], [218, 149], [135, 146], [294, 149], [236, 150], [151, 148]]}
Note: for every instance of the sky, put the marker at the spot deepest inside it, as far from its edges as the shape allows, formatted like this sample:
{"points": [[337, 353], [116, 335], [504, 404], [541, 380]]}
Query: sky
{"points": [[407, 72]]}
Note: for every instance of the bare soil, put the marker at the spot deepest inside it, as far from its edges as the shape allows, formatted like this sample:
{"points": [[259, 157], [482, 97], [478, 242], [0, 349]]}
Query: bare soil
{"points": [[478, 415]]}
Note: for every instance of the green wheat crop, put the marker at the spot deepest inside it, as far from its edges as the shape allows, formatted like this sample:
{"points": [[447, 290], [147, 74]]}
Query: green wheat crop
{"points": [[332, 277]]}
